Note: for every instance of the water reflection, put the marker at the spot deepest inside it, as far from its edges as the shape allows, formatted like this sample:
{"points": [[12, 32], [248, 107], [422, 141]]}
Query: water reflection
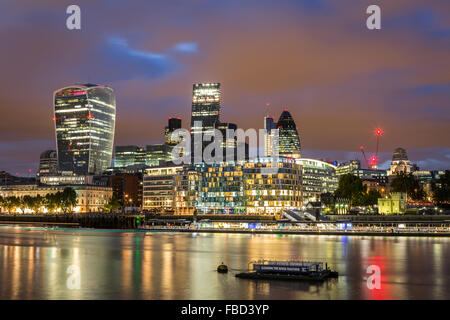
{"points": [[119, 265]]}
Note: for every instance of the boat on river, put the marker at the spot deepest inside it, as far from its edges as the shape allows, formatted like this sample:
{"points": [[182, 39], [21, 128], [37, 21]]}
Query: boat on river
{"points": [[288, 270]]}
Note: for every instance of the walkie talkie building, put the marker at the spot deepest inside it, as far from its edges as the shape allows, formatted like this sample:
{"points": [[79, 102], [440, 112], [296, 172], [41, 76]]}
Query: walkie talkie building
{"points": [[84, 118]]}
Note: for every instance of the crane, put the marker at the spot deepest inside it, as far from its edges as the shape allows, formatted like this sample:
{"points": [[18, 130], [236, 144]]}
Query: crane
{"points": [[364, 155], [372, 162]]}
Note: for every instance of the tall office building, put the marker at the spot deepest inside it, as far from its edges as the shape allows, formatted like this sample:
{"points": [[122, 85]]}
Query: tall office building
{"points": [[84, 122], [229, 142], [174, 124], [48, 163], [289, 141], [269, 126], [206, 99]]}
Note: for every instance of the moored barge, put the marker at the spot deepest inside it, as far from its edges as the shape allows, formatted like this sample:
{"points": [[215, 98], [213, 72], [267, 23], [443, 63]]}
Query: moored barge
{"points": [[288, 270]]}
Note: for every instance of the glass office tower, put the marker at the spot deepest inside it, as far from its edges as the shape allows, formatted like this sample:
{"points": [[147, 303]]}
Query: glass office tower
{"points": [[206, 99], [205, 106], [269, 126], [84, 118], [289, 142]]}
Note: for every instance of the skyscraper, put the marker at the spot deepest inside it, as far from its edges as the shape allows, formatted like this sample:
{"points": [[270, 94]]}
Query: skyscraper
{"points": [[289, 141], [229, 142], [84, 122], [206, 99], [174, 124], [269, 125]]}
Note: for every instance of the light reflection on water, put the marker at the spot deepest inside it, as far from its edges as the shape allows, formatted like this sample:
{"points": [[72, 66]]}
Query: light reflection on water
{"points": [[129, 265]]}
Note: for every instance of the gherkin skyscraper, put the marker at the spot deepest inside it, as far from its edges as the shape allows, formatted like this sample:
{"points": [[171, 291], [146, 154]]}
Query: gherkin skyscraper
{"points": [[289, 141]]}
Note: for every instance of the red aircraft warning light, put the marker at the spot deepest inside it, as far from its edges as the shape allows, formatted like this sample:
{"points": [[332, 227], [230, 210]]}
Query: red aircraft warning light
{"points": [[379, 132]]}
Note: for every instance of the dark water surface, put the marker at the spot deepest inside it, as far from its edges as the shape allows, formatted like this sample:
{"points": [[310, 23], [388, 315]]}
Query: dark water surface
{"points": [[133, 265]]}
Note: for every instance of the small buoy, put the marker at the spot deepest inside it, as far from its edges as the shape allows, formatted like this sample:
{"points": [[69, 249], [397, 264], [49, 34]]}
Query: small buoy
{"points": [[222, 268]]}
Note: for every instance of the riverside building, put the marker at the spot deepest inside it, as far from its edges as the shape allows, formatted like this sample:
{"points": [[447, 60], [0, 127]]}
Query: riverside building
{"points": [[235, 187], [89, 198], [318, 177], [159, 188]]}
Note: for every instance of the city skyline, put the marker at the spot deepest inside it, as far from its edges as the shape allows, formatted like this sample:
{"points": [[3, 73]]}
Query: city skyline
{"points": [[337, 97], [325, 155]]}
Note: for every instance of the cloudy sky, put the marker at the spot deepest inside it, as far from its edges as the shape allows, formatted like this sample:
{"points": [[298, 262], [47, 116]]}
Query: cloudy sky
{"points": [[315, 57]]}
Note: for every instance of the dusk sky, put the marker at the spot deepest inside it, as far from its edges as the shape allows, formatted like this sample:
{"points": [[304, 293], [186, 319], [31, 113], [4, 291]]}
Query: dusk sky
{"points": [[316, 58]]}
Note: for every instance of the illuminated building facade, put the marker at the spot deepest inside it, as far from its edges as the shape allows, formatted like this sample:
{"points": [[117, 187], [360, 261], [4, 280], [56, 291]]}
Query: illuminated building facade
{"points": [[126, 156], [354, 167], [400, 163], [222, 187], [157, 154], [72, 179], [174, 124], [84, 123], [240, 187], [48, 163], [206, 100], [269, 126], [272, 193], [342, 206], [89, 198], [229, 142], [186, 191], [317, 177], [289, 141], [348, 167], [394, 204], [159, 187], [172, 142]]}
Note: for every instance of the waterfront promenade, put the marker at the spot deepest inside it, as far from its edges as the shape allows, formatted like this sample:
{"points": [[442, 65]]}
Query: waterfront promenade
{"points": [[381, 231], [427, 226]]}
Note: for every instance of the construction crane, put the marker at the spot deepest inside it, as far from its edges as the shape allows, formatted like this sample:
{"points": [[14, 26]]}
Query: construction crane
{"points": [[364, 155], [372, 162]]}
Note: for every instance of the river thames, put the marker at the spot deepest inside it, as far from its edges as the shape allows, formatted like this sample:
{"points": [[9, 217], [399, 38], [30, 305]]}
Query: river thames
{"points": [[35, 262]]}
